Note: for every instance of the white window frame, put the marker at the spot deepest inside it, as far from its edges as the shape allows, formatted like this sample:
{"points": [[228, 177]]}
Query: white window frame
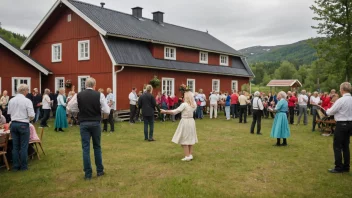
{"points": [[79, 82], [194, 84], [236, 88], [53, 58], [227, 60], [19, 78], [212, 85], [168, 57], [79, 50], [69, 18], [172, 88], [200, 57], [56, 83]]}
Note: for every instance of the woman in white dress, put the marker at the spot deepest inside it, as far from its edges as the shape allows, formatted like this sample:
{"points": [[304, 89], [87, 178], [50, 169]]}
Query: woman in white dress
{"points": [[185, 134]]}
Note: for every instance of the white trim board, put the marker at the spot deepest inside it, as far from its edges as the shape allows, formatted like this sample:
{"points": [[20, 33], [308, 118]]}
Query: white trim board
{"points": [[24, 57]]}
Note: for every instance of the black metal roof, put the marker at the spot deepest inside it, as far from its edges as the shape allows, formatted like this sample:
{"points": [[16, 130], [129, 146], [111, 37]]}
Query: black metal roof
{"points": [[137, 53], [121, 24]]}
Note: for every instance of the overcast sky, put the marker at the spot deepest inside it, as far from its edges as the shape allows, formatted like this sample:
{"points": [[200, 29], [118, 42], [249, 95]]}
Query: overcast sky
{"points": [[238, 23]]}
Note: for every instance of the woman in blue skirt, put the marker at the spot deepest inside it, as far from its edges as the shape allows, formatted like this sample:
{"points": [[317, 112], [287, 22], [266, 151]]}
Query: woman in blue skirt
{"points": [[280, 127], [60, 119]]}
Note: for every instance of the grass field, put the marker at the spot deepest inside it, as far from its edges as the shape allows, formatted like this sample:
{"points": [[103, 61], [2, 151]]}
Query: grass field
{"points": [[229, 162]]}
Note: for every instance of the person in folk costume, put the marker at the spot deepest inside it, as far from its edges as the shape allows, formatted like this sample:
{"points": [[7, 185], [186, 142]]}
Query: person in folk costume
{"points": [[280, 127]]}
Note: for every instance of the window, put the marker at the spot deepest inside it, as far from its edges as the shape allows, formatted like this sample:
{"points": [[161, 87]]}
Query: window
{"points": [[168, 86], [224, 60], [20, 80], [234, 85], [59, 83], [216, 85], [203, 57], [170, 53], [82, 83], [69, 18], [56, 53], [83, 50], [191, 83]]}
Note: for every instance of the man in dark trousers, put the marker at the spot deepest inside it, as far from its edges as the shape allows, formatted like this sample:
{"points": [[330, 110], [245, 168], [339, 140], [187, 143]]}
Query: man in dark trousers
{"points": [[90, 104], [37, 100], [342, 111], [147, 103], [53, 97], [21, 110]]}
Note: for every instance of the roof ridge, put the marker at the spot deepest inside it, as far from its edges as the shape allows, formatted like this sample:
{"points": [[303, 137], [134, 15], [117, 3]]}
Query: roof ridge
{"points": [[78, 1]]}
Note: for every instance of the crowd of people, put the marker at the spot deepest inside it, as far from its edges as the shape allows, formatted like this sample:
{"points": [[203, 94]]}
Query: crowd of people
{"points": [[89, 108]]}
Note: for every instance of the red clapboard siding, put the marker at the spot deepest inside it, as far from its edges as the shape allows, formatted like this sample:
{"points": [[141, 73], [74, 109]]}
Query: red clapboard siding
{"points": [[13, 66], [137, 77], [68, 34], [186, 55]]}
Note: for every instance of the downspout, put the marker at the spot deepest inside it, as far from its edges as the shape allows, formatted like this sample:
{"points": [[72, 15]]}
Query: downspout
{"points": [[118, 71]]}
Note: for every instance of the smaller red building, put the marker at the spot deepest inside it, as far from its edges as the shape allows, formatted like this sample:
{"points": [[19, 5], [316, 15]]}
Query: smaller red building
{"points": [[17, 67]]}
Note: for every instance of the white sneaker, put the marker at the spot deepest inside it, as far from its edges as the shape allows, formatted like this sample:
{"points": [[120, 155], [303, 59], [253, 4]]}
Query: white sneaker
{"points": [[186, 159], [191, 157]]}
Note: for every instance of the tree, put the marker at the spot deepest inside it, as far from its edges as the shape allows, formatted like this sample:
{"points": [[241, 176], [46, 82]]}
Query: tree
{"points": [[286, 71], [335, 23]]}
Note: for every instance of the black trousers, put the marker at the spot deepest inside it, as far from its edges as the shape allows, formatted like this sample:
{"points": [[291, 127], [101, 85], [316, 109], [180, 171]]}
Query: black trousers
{"points": [[243, 113], [257, 119], [291, 114], [45, 117], [133, 109], [110, 120], [341, 145]]}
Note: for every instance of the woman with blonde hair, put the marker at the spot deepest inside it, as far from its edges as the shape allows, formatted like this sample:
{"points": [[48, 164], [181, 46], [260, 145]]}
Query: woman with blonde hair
{"points": [[185, 134]]}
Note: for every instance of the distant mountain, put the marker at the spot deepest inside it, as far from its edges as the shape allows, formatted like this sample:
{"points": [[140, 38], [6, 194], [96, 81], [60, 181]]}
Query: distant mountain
{"points": [[13, 38], [298, 53]]}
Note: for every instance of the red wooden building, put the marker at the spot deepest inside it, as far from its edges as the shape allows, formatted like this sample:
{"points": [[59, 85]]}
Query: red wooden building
{"points": [[17, 67], [77, 40]]}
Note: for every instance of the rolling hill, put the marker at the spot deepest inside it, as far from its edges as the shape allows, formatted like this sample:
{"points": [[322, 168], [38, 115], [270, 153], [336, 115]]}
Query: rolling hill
{"points": [[298, 53]]}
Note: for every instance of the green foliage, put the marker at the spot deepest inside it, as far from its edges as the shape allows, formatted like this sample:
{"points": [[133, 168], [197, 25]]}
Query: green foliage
{"points": [[245, 87], [335, 23], [13, 38], [286, 71], [298, 53]]}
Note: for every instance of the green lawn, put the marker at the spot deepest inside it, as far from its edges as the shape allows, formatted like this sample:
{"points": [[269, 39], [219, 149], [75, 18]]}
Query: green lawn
{"points": [[229, 162]]}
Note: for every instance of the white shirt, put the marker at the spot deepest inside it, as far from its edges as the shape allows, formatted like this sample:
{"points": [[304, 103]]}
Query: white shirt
{"points": [[60, 100], [201, 97], [257, 104], [302, 99], [103, 104], [314, 100], [214, 99], [21, 109], [46, 102], [111, 97], [133, 98], [342, 108]]}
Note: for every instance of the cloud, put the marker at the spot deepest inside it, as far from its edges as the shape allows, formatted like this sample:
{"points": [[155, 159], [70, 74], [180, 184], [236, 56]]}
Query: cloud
{"points": [[238, 23]]}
